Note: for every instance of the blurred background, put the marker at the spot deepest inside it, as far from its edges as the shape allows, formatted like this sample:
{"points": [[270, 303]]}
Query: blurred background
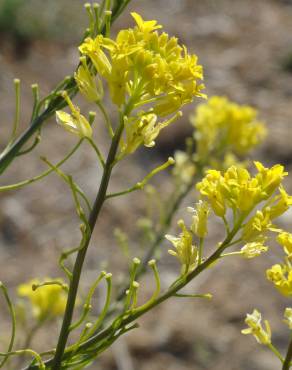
{"points": [[246, 50]]}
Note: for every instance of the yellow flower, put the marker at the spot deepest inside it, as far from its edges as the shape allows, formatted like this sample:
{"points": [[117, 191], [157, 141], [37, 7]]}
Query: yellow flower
{"points": [[288, 317], [253, 321], [74, 122], [145, 27], [270, 178], [200, 218], [142, 130], [93, 48], [241, 191], [47, 301], [280, 203], [257, 226], [238, 190], [285, 240], [142, 66], [281, 277], [224, 126], [89, 85], [254, 249], [185, 251], [211, 187]]}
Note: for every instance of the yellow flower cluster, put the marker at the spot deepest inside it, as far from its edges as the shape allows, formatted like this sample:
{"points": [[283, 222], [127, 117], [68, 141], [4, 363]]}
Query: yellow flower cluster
{"points": [[281, 274], [223, 127], [142, 65], [281, 277], [255, 328], [47, 301], [238, 190]]}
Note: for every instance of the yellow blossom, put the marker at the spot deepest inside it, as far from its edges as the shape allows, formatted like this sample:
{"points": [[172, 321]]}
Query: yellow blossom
{"points": [[145, 66], [270, 178], [89, 85], [142, 130], [253, 249], [281, 277], [145, 26], [74, 122], [285, 240], [185, 251], [280, 203], [93, 48], [47, 301], [257, 226], [255, 328], [200, 218], [211, 188], [238, 190], [224, 125]]}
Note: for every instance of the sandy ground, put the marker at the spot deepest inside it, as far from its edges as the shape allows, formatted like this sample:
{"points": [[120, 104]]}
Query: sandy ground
{"points": [[243, 46]]}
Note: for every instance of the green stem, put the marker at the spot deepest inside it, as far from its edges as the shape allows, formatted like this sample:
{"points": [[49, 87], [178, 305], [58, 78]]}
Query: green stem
{"points": [[106, 118], [13, 322], [42, 175], [288, 358], [97, 151], [172, 291], [56, 102], [140, 185], [276, 352], [101, 196], [103, 313]]}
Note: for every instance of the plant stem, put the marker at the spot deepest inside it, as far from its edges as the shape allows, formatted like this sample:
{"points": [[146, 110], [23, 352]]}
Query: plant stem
{"points": [[288, 358], [136, 313], [101, 196], [7, 157], [55, 103]]}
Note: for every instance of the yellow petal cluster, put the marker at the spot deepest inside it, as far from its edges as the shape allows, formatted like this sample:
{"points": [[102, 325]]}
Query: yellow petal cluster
{"points": [[141, 65], [222, 125], [270, 178], [285, 240], [47, 301], [238, 190], [281, 276], [185, 251], [253, 321]]}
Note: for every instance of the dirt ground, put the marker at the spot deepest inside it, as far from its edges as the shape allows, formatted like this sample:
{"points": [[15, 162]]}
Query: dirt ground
{"points": [[245, 47]]}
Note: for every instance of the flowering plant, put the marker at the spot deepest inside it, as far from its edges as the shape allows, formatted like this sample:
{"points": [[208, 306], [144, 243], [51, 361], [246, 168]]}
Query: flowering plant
{"points": [[150, 76]]}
